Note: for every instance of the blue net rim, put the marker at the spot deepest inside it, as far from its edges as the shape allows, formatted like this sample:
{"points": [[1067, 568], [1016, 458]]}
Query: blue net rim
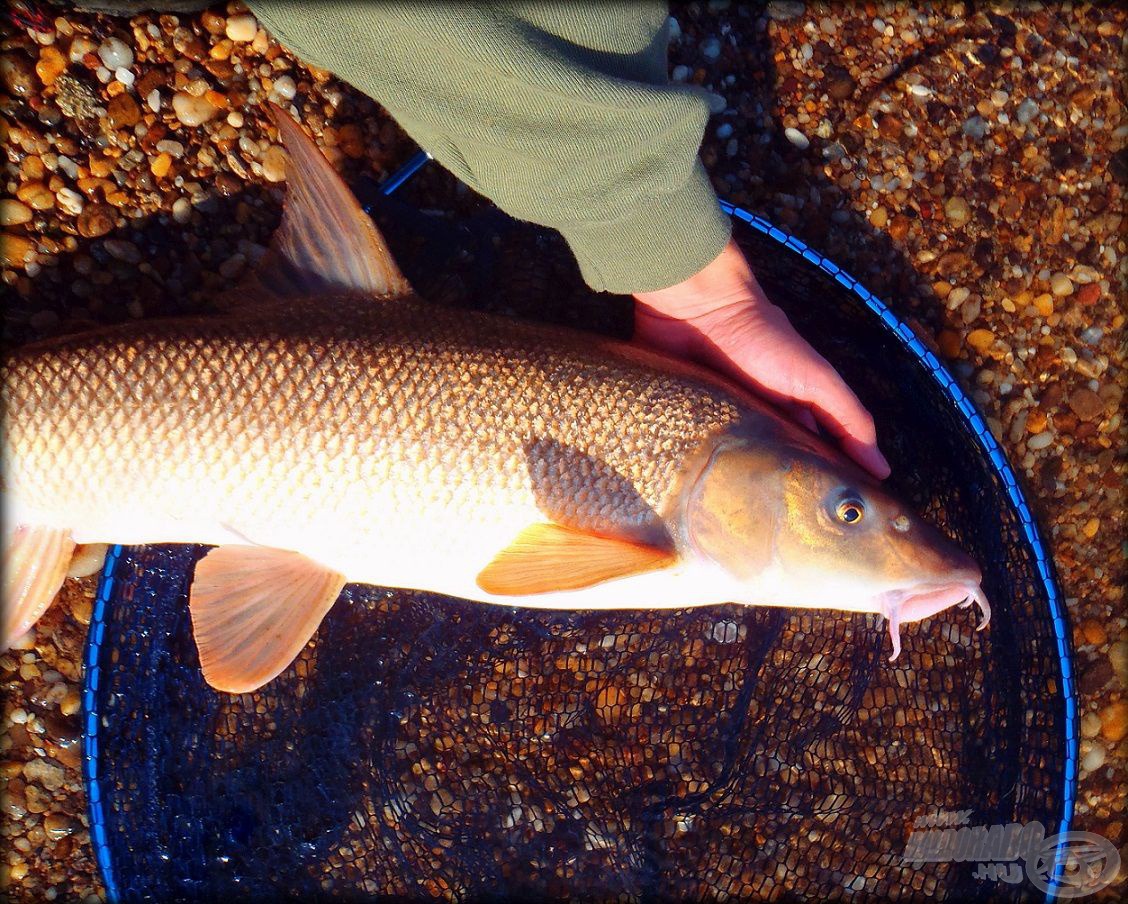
{"points": [[892, 324]]}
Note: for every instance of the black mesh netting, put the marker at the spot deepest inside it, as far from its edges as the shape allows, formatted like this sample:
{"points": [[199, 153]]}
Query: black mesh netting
{"points": [[429, 747]]}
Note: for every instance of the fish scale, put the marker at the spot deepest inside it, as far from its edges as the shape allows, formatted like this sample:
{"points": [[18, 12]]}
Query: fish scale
{"points": [[472, 406]]}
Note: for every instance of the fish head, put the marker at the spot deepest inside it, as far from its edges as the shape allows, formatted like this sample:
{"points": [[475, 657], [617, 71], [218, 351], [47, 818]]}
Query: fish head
{"points": [[791, 522]]}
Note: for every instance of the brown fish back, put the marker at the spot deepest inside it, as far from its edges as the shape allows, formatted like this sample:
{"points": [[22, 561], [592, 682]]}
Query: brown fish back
{"points": [[300, 404]]}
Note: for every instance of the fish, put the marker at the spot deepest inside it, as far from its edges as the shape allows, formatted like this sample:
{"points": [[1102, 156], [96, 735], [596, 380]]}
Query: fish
{"points": [[330, 426]]}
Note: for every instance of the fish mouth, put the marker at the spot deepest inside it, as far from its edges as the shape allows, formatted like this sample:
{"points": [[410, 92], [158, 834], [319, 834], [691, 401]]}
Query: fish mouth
{"points": [[922, 601]]}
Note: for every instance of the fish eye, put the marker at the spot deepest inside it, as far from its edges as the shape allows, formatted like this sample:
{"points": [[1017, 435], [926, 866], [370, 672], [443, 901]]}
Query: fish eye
{"points": [[850, 511]]}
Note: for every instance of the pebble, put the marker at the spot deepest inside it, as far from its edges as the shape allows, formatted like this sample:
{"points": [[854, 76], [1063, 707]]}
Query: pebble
{"points": [[975, 127], [121, 250], [193, 111], [797, 138], [957, 212], [711, 49], [161, 165], [45, 772], [181, 210], [51, 65], [125, 76], [1061, 285], [1089, 294], [115, 53], [96, 220], [1039, 441], [123, 112], [70, 201], [13, 212], [242, 28], [274, 164], [285, 88], [1093, 632], [980, 339], [57, 826], [957, 297], [15, 250], [36, 195], [71, 703], [1094, 759], [1086, 404], [1026, 111], [1114, 721], [724, 130]]}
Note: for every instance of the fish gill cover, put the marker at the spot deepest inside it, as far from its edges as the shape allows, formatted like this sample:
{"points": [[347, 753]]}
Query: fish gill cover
{"points": [[425, 747]]}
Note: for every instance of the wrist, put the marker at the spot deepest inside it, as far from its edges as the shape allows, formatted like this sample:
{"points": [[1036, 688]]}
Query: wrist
{"points": [[724, 282]]}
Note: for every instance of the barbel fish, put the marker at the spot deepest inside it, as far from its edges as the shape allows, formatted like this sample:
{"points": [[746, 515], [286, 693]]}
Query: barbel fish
{"points": [[333, 427]]}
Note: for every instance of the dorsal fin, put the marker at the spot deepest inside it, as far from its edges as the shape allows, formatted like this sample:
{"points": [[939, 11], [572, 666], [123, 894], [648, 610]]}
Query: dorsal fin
{"points": [[325, 241]]}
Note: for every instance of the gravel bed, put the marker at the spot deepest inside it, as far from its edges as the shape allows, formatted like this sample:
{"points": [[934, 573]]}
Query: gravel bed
{"points": [[966, 162]]}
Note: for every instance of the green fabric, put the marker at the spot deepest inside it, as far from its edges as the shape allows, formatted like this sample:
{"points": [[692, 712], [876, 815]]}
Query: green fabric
{"points": [[560, 113]]}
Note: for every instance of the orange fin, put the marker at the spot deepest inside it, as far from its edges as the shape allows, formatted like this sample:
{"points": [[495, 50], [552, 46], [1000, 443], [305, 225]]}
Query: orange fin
{"points": [[547, 557], [325, 240], [253, 609], [87, 559], [35, 564]]}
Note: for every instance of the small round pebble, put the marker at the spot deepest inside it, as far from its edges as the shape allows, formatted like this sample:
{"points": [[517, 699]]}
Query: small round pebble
{"points": [[797, 138], [13, 212], [274, 164], [193, 111], [242, 28], [957, 212], [285, 88], [1061, 285], [115, 53]]}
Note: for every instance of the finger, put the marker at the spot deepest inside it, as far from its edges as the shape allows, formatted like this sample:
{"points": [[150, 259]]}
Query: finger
{"points": [[801, 415], [845, 418]]}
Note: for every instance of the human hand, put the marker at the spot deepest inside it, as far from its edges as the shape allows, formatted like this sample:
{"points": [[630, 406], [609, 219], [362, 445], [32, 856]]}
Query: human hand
{"points": [[722, 318]]}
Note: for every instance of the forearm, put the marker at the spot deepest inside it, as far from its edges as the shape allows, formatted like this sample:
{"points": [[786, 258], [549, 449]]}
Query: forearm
{"points": [[560, 113]]}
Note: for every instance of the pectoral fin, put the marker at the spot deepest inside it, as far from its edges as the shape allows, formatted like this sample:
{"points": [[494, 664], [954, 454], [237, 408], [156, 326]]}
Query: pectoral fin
{"points": [[35, 564], [253, 609], [548, 557]]}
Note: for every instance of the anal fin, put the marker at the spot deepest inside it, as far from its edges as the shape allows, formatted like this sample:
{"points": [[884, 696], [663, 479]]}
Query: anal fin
{"points": [[549, 557], [35, 564], [253, 608]]}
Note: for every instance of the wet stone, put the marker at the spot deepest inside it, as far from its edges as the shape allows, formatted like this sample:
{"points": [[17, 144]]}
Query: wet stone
{"points": [[115, 53], [45, 772], [96, 220], [17, 73], [58, 825], [1114, 721], [1061, 285], [1086, 404], [36, 195], [13, 212], [38, 801], [957, 212], [15, 250], [51, 64], [123, 111], [193, 111], [242, 28]]}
